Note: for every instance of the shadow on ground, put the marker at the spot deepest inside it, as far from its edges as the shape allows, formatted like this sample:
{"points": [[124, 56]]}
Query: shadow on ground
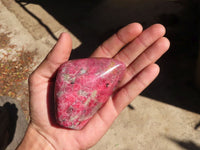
{"points": [[92, 21], [187, 145], [12, 125], [8, 116]]}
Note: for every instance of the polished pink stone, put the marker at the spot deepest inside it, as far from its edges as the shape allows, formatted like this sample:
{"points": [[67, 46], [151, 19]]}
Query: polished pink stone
{"points": [[82, 87]]}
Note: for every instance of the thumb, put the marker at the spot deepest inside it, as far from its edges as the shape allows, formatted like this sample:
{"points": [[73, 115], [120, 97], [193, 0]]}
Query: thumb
{"points": [[58, 55]]}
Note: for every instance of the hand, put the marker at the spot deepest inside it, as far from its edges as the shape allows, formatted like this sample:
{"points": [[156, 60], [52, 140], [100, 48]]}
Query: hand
{"points": [[136, 48]]}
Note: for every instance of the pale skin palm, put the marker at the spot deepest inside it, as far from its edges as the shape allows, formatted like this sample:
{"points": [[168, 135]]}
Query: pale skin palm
{"points": [[136, 48]]}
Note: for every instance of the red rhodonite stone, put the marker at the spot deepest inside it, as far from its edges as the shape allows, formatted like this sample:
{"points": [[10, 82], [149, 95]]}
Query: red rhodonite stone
{"points": [[82, 87]]}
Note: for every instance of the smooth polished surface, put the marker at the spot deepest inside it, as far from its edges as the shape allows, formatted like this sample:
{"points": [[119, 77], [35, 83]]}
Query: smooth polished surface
{"points": [[82, 87]]}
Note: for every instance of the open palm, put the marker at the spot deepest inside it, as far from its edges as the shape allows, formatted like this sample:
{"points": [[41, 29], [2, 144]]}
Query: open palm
{"points": [[136, 48]]}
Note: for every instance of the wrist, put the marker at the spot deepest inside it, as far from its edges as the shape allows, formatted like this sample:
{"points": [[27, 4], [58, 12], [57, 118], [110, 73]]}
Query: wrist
{"points": [[33, 140]]}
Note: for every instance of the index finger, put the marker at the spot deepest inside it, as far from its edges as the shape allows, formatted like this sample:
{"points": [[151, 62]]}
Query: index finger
{"points": [[113, 45]]}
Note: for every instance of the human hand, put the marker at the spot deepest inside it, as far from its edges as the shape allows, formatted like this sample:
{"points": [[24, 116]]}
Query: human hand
{"points": [[136, 48]]}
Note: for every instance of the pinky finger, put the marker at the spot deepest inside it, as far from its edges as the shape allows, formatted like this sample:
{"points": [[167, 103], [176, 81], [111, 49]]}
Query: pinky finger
{"points": [[127, 93]]}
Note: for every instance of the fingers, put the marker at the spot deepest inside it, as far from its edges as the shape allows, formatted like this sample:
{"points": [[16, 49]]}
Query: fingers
{"points": [[140, 44], [114, 44], [149, 56], [58, 55], [135, 87]]}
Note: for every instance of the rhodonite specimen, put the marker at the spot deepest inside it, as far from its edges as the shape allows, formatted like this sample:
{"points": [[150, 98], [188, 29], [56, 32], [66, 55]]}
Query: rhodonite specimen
{"points": [[82, 87]]}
